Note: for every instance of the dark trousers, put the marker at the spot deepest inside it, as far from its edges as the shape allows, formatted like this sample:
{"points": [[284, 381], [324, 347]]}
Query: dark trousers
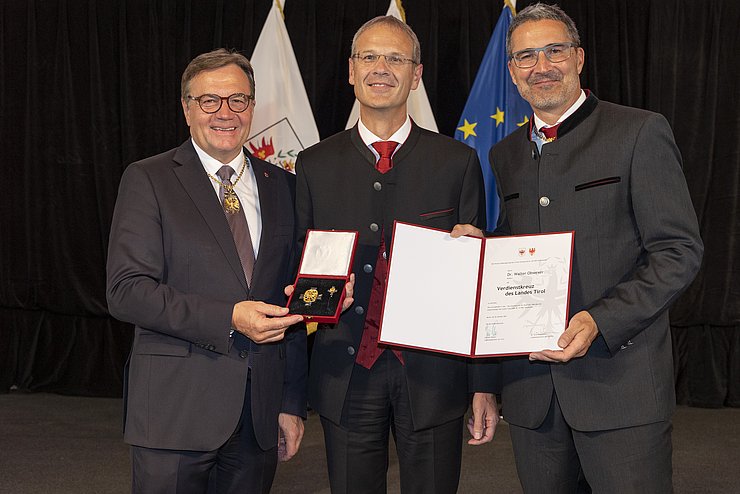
{"points": [[555, 458], [357, 449], [240, 465]]}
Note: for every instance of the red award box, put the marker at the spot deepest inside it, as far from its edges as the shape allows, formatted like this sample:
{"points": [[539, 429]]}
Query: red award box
{"points": [[324, 270]]}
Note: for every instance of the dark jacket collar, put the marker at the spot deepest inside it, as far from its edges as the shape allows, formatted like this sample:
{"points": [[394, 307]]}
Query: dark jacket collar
{"points": [[407, 147], [578, 116]]}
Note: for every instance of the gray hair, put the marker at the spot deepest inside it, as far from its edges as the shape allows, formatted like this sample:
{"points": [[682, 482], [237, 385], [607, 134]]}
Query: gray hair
{"points": [[393, 22], [541, 12], [215, 60]]}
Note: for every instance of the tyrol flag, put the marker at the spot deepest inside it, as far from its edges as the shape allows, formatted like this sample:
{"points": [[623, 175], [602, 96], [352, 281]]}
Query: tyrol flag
{"points": [[283, 122], [494, 108]]}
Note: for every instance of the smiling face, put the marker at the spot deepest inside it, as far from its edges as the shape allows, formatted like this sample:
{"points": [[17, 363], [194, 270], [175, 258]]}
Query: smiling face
{"points": [[380, 88], [221, 134], [551, 88]]}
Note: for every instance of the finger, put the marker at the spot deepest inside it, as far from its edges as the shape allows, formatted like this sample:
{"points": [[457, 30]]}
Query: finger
{"points": [[263, 332], [349, 287], [271, 310], [289, 320], [282, 453], [288, 452], [470, 425], [349, 292], [577, 348], [567, 337], [544, 356], [289, 290], [268, 336], [274, 327], [457, 231], [467, 229], [292, 444], [555, 355], [486, 437], [574, 350], [278, 323], [478, 424]]}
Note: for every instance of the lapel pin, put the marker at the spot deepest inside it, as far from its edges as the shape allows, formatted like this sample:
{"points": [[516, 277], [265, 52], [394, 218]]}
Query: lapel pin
{"points": [[267, 175]]}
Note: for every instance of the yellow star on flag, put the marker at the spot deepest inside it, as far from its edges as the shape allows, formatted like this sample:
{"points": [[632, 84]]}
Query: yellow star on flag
{"points": [[526, 120], [498, 116], [468, 129]]}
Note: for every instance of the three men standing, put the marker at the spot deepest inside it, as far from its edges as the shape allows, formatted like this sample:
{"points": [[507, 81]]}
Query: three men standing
{"points": [[214, 369]]}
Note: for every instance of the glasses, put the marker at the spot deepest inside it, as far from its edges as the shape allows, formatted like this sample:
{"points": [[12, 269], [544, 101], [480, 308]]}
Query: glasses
{"points": [[555, 52], [372, 58], [211, 103]]}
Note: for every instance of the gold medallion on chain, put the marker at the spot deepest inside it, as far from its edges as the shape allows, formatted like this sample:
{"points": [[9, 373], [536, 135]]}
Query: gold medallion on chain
{"points": [[231, 201]]}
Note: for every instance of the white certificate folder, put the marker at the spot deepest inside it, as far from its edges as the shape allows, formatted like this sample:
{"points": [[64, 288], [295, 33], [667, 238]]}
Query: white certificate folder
{"points": [[476, 297]]}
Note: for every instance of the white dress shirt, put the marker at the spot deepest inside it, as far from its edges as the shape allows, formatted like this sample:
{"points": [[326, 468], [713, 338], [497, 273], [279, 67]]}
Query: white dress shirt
{"points": [[398, 136], [245, 188]]}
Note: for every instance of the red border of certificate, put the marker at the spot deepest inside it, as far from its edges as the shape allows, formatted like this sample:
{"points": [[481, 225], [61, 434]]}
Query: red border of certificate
{"points": [[481, 265]]}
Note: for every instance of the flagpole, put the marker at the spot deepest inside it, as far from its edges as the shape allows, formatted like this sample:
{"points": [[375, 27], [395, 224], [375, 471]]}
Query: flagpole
{"points": [[401, 11], [512, 5]]}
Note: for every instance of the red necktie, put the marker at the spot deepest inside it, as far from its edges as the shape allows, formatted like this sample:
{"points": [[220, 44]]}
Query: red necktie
{"points": [[369, 350], [551, 133], [385, 150]]}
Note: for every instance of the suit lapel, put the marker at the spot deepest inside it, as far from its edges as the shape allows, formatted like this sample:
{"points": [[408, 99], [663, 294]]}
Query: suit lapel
{"points": [[196, 183]]}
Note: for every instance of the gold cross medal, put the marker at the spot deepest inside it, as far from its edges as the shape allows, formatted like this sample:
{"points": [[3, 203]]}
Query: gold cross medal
{"points": [[231, 202]]}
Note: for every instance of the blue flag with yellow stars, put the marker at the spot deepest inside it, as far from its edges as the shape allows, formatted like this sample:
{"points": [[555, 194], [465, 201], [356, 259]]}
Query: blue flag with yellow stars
{"points": [[494, 109]]}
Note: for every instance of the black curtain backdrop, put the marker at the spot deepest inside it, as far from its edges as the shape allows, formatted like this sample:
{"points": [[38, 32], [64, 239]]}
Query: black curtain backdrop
{"points": [[88, 87]]}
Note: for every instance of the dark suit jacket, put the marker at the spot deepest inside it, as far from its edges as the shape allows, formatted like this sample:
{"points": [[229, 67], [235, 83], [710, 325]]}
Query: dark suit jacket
{"points": [[614, 176], [435, 182], [174, 272]]}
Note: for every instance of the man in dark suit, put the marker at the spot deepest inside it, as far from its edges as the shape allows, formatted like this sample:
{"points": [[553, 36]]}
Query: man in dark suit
{"points": [[199, 257], [386, 168], [600, 406]]}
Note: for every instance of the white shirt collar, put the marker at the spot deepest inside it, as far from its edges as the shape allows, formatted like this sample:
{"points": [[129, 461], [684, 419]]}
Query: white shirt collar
{"points": [[246, 189], [539, 123], [212, 165], [398, 136]]}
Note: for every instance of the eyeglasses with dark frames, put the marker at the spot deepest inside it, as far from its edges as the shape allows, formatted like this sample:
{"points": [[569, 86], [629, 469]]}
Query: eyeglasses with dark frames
{"points": [[211, 103]]}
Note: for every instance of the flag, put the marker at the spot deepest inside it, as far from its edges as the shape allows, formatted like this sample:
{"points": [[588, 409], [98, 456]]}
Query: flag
{"points": [[494, 108], [283, 122], [418, 103]]}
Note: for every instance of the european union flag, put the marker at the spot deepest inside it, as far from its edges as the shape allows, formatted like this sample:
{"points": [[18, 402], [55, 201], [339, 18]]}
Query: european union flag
{"points": [[494, 109]]}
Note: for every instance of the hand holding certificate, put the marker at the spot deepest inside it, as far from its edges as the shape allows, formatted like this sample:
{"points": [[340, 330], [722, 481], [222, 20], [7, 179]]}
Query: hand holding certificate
{"points": [[476, 297]]}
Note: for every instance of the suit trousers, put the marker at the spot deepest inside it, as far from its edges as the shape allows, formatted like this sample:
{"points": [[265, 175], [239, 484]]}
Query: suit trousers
{"points": [[357, 449], [240, 465], [557, 459]]}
